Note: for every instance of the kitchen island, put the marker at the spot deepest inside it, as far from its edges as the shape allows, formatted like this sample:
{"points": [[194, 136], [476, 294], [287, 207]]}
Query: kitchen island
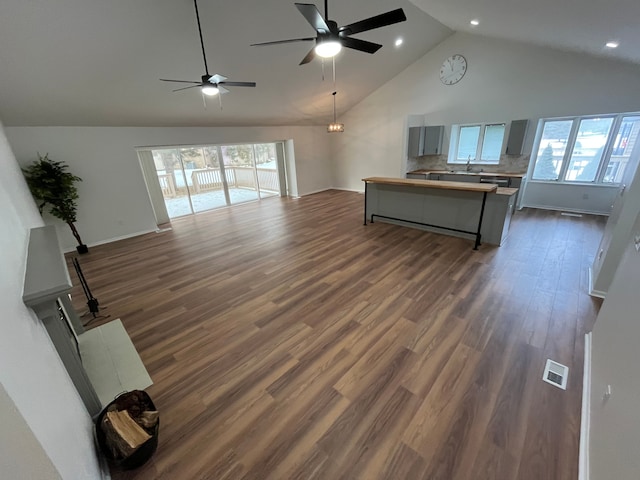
{"points": [[479, 211]]}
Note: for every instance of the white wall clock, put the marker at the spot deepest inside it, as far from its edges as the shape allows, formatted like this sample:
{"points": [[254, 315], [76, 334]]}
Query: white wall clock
{"points": [[453, 69]]}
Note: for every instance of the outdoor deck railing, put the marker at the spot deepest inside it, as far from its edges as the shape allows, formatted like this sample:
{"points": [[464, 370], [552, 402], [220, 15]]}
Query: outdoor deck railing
{"points": [[207, 179], [167, 184]]}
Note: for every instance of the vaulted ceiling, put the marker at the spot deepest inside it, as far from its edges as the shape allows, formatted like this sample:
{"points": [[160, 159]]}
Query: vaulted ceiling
{"points": [[95, 62]]}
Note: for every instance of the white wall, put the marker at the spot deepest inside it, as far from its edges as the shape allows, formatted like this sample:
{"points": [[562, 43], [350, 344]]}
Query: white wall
{"points": [[32, 374], [616, 233], [597, 199], [615, 424], [505, 81], [113, 198], [21, 456]]}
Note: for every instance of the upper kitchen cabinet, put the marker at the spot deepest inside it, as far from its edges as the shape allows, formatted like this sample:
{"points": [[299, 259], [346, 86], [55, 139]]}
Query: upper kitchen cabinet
{"points": [[425, 141], [517, 134]]}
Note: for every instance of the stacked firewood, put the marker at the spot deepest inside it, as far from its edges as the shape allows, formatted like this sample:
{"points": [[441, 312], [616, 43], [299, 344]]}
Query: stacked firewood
{"points": [[129, 422]]}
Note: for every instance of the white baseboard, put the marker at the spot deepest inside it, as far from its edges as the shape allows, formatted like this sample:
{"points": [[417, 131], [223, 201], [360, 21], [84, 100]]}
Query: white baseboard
{"points": [[592, 292], [585, 422], [562, 209], [348, 189], [315, 191], [113, 239]]}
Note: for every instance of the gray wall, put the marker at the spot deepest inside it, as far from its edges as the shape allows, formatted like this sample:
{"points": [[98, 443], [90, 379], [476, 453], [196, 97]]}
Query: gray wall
{"points": [[505, 81], [596, 199], [113, 197], [615, 424], [31, 373], [616, 234], [21, 455]]}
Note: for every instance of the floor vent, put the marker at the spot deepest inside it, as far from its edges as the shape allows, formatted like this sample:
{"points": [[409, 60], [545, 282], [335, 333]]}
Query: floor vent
{"points": [[556, 374], [569, 214]]}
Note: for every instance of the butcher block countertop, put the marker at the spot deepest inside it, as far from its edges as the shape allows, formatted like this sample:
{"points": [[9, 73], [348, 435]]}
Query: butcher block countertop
{"points": [[506, 191], [483, 174], [410, 182]]}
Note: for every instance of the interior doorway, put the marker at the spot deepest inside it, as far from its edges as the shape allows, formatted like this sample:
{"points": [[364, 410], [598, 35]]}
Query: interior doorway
{"points": [[199, 178]]}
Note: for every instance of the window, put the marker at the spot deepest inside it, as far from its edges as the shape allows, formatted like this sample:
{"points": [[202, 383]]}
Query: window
{"points": [[623, 143], [585, 149], [477, 143]]}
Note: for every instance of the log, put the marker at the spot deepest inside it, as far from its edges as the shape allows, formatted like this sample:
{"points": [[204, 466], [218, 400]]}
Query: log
{"points": [[123, 434], [148, 419]]}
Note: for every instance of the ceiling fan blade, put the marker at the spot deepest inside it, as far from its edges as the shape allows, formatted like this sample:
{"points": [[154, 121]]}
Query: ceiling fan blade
{"points": [[382, 20], [222, 90], [361, 45], [308, 39], [310, 56], [238, 84], [185, 88], [310, 12], [216, 78], [178, 81]]}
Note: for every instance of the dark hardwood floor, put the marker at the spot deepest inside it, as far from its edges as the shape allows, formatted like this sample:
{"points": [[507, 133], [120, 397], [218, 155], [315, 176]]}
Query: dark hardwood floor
{"points": [[288, 341]]}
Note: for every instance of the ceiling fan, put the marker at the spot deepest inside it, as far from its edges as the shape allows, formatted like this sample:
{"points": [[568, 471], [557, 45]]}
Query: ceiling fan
{"points": [[331, 38], [210, 84]]}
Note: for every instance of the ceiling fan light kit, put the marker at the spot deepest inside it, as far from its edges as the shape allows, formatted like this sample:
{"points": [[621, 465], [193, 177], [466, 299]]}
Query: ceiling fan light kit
{"points": [[328, 48], [327, 31], [210, 85], [210, 90]]}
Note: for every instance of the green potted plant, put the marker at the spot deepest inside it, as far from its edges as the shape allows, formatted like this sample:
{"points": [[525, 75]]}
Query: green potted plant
{"points": [[51, 184]]}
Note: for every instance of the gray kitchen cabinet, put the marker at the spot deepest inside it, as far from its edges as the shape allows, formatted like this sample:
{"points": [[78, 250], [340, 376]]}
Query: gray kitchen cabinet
{"points": [[515, 182], [517, 134], [460, 177], [425, 141], [433, 140]]}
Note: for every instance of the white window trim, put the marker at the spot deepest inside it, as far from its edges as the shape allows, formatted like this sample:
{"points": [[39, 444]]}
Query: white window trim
{"points": [[477, 160], [608, 147]]}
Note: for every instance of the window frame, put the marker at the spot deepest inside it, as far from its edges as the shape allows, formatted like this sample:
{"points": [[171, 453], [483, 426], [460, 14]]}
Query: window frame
{"points": [[605, 159], [477, 160]]}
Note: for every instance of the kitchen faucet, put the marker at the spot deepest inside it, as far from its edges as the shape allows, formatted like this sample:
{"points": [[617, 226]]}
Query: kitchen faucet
{"points": [[469, 164]]}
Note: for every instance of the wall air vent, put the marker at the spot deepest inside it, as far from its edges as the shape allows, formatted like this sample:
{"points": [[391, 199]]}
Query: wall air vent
{"points": [[556, 374]]}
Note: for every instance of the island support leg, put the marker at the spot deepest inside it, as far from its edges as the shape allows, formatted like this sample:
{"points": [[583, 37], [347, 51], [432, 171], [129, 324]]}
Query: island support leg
{"points": [[478, 234], [365, 202]]}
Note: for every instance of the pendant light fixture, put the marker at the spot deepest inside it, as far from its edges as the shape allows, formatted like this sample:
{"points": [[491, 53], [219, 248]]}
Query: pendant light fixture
{"points": [[335, 127]]}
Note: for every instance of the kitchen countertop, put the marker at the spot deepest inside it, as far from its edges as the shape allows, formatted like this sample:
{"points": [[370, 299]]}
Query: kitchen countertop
{"points": [[483, 174], [506, 191], [469, 187]]}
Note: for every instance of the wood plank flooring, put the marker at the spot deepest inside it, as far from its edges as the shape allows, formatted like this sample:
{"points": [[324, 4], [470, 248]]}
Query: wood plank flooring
{"points": [[288, 341]]}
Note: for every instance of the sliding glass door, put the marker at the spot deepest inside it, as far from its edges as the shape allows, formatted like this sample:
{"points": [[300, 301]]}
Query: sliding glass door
{"points": [[240, 168], [196, 179]]}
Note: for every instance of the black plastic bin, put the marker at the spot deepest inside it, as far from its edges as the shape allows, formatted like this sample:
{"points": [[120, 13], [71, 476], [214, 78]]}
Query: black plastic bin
{"points": [[141, 455]]}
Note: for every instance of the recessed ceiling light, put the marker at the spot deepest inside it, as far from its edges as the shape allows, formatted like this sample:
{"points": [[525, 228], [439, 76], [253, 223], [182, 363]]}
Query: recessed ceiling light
{"points": [[475, 22], [398, 42], [612, 44]]}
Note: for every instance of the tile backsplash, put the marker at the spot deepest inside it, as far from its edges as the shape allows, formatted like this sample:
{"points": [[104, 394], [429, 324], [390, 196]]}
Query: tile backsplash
{"points": [[508, 164]]}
